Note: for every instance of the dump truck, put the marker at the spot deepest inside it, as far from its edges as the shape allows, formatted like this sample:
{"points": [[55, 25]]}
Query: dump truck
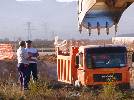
{"points": [[97, 14], [93, 65]]}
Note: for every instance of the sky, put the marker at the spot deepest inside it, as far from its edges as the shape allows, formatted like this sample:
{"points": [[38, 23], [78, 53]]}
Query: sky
{"points": [[66, 0], [28, 0], [50, 18], [57, 0]]}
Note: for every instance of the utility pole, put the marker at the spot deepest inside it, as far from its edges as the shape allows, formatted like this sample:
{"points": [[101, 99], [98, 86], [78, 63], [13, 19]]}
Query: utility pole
{"points": [[29, 30]]}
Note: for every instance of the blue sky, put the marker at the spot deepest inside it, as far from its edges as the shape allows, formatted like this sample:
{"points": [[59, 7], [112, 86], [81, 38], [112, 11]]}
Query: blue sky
{"points": [[60, 19]]}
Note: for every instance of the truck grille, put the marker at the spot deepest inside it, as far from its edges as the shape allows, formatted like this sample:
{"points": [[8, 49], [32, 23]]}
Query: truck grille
{"points": [[107, 77]]}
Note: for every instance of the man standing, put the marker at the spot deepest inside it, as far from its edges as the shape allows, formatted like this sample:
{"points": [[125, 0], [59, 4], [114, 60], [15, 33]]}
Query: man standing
{"points": [[23, 69], [33, 53]]}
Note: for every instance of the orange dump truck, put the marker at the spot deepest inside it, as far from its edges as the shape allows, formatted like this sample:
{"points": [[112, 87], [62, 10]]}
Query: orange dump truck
{"points": [[93, 65]]}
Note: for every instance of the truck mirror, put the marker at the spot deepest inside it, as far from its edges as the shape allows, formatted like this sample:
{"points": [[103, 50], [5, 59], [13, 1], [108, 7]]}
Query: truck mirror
{"points": [[77, 61]]}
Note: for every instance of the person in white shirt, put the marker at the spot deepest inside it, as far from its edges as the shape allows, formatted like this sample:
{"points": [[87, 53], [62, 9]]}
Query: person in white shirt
{"points": [[33, 53], [23, 65]]}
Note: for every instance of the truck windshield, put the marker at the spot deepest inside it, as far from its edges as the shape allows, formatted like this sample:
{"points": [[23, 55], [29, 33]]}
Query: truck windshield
{"points": [[109, 60], [106, 59]]}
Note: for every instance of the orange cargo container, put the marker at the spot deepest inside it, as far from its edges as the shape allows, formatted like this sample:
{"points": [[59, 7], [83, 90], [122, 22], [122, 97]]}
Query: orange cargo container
{"points": [[93, 65]]}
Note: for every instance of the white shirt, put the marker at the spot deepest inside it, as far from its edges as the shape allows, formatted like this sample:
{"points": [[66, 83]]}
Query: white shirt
{"points": [[22, 55], [32, 51]]}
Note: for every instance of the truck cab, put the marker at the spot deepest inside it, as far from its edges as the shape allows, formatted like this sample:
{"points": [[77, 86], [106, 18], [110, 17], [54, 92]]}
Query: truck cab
{"points": [[94, 65], [101, 64]]}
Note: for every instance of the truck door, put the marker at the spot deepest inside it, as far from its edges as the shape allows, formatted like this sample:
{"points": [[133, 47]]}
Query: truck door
{"points": [[81, 70]]}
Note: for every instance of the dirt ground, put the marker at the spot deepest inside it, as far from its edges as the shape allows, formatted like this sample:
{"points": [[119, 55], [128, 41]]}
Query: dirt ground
{"points": [[46, 68]]}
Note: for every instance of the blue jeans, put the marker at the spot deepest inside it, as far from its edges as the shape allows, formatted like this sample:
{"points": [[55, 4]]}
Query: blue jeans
{"points": [[33, 69], [24, 74]]}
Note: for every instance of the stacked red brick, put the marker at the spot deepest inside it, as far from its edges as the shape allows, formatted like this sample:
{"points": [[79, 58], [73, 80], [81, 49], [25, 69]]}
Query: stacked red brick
{"points": [[6, 51]]}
